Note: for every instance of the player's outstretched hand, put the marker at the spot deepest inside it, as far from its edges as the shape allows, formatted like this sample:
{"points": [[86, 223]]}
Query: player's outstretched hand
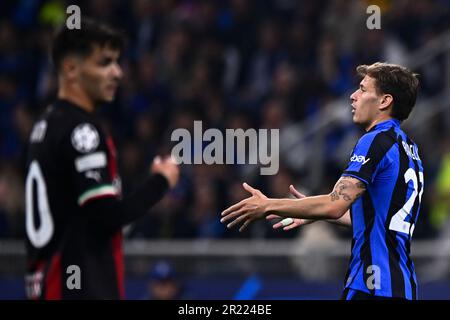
{"points": [[246, 211], [168, 168], [290, 223]]}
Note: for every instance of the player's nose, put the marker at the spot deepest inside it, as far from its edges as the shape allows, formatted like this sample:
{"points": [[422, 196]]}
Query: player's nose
{"points": [[117, 72], [353, 97]]}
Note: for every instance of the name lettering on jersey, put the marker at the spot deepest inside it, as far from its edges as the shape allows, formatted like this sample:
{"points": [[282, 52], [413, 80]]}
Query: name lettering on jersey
{"points": [[356, 158], [38, 133], [85, 138], [91, 161], [411, 150]]}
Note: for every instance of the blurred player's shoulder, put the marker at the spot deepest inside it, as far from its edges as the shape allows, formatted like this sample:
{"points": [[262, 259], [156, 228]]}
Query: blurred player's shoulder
{"points": [[67, 113], [61, 119]]}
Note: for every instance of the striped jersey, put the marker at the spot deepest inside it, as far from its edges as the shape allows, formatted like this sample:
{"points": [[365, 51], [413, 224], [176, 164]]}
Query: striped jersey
{"points": [[383, 219], [71, 162]]}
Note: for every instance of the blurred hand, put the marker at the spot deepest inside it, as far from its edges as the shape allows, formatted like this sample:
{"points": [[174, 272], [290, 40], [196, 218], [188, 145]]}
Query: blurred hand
{"points": [[168, 168], [290, 223]]}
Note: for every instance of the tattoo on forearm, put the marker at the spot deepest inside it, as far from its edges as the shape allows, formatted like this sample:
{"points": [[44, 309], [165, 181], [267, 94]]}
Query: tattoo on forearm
{"points": [[345, 188], [334, 196]]}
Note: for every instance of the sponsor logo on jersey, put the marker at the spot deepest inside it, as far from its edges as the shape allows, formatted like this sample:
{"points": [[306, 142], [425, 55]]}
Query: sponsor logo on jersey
{"points": [[361, 159], [91, 161], [94, 175], [85, 138]]}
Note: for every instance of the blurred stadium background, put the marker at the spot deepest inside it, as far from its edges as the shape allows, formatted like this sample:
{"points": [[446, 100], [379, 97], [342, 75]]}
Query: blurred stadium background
{"points": [[282, 64]]}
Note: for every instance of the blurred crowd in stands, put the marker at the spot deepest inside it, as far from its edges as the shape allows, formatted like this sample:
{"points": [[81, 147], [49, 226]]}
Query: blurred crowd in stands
{"points": [[232, 64]]}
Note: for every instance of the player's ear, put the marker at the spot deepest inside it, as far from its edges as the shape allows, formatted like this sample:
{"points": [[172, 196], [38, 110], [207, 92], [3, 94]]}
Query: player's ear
{"points": [[70, 67], [387, 100]]}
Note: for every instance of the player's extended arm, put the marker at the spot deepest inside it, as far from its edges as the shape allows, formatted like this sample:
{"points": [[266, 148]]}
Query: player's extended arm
{"points": [[331, 206], [112, 213]]}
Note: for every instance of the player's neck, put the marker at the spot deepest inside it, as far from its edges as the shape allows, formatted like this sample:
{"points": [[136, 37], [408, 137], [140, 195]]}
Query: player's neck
{"points": [[377, 121], [77, 96]]}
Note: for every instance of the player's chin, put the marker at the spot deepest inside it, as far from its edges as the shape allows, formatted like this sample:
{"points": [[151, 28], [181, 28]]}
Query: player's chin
{"points": [[356, 119], [109, 94], [107, 98]]}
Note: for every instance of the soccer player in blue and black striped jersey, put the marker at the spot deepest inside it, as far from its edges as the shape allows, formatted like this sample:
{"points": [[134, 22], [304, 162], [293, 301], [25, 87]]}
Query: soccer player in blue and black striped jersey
{"points": [[378, 194]]}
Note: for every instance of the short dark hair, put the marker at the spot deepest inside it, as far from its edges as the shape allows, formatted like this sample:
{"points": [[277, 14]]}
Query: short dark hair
{"points": [[81, 41], [396, 80]]}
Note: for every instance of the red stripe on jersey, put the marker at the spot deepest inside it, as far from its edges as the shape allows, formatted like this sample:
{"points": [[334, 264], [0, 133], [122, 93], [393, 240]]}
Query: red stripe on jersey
{"points": [[112, 163], [53, 279], [118, 260]]}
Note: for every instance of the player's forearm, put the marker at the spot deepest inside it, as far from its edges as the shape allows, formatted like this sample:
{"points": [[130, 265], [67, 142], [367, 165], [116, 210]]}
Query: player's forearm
{"points": [[345, 220], [315, 208], [113, 213], [139, 202]]}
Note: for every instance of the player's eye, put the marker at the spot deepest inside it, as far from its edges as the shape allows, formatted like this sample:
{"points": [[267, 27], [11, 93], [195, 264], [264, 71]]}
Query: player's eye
{"points": [[105, 61]]}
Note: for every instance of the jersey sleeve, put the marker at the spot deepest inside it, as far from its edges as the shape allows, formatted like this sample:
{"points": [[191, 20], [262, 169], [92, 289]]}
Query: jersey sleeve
{"points": [[87, 154], [92, 167], [368, 156]]}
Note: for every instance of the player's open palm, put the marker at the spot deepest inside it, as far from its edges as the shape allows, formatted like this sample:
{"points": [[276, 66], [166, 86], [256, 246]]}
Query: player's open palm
{"points": [[290, 223], [246, 211]]}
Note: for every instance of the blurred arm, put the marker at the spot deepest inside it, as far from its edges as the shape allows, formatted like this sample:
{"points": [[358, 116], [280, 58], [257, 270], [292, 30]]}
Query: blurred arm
{"points": [[113, 213]]}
